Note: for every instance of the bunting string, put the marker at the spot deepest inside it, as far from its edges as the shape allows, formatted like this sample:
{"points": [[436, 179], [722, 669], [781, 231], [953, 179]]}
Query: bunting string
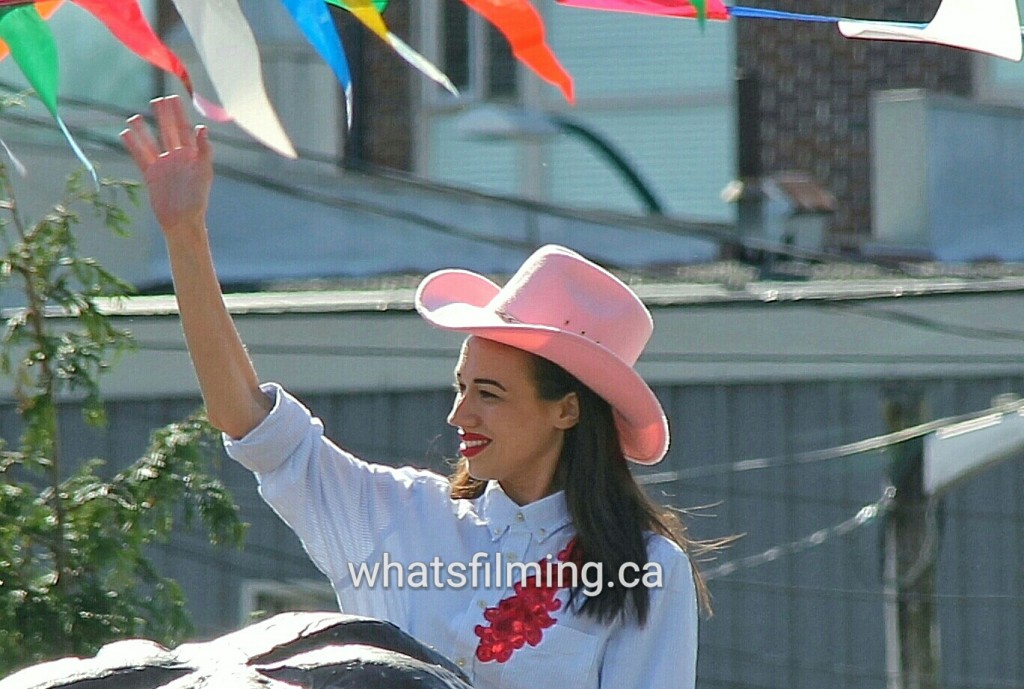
{"points": [[758, 13], [230, 55]]}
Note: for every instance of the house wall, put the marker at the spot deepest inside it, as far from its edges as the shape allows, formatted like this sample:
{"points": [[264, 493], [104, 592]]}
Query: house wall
{"points": [[660, 91], [803, 621], [741, 380]]}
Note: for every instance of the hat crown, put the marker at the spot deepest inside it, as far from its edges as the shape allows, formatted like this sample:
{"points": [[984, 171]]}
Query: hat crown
{"points": [[563, 308], [560, 289]]}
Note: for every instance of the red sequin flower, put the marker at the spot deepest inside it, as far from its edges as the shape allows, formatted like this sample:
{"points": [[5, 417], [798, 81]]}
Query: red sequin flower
{"points": [[521, 618]]}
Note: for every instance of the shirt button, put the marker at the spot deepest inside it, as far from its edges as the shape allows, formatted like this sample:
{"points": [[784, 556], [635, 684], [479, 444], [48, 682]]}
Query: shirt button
{"points": [[511, 556], [497, 532], [461, 662], [482, 603], [519, 517], [542, 532]]}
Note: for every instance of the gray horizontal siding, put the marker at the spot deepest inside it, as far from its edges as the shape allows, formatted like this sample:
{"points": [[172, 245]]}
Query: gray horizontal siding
{"points": [[806, 620]]}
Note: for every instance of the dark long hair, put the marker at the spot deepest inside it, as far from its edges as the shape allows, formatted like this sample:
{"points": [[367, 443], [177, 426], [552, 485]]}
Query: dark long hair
{"points": [[609, 510]]}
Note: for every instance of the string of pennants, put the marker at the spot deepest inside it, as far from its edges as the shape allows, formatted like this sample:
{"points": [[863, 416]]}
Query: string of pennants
{"points": [[229, 53]]}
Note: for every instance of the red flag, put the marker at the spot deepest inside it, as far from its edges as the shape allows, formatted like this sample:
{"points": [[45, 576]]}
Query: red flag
{"points": [[126, 21], [523, 27], [662, 8]]}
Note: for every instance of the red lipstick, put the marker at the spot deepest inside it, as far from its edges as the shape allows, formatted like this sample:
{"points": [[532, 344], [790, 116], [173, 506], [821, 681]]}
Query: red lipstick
{"points": [[472, 444]]}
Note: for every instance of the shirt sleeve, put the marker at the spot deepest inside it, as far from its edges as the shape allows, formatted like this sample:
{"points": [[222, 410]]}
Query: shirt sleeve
{"points": [[344, 510], [662, 654]]}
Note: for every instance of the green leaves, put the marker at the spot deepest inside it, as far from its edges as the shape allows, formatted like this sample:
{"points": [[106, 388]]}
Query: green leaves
{"points": [[47, 357], [108, 589], [74, 567]]}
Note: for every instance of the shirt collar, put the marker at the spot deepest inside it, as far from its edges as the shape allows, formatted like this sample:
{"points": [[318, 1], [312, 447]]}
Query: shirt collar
{"points": [[542, 518]]}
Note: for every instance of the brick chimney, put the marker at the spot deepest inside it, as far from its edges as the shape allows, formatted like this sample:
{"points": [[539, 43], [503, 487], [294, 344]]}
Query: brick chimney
{"points": [[815, 89]]}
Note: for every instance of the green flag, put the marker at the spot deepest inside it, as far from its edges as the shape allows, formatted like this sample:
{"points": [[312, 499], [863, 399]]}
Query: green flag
{"points": [[34, 50], [379, 4], [702, 12]]}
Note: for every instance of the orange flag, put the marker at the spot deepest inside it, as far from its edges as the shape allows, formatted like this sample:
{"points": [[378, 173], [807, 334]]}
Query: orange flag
{"points": [[523, 27]]}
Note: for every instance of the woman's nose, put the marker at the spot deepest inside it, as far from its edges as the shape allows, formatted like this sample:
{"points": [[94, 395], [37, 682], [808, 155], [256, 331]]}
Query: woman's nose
{"points": [[460, 416]]}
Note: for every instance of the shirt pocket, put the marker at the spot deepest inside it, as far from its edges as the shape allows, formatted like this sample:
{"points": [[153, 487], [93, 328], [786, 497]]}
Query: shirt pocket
{"points": [[564, 659]]}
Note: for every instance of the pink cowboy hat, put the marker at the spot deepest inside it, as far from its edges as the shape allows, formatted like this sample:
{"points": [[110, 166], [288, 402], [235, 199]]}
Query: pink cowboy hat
{"points": [[564, 308]]}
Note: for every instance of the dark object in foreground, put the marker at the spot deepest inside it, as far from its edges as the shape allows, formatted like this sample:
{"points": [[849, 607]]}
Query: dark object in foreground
{"points": [[310, 650]]}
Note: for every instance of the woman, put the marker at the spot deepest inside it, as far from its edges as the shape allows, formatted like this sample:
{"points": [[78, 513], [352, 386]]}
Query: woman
{"points": [[548, 408]]}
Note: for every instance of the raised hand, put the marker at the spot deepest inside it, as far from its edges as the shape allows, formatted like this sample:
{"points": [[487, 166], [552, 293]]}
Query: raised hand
{"points": [[178, 170]]}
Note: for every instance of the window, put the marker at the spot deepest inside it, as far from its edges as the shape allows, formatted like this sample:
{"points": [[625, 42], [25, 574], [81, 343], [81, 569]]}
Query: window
{"points": [[474, 55], [264, 598], [661, 90]]}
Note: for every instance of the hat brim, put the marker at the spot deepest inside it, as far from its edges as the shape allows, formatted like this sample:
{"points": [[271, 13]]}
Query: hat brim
{"points": [[457, 300]]}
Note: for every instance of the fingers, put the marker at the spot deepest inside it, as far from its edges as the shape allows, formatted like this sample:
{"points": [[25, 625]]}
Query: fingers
{"points": [[185, 133], [175, 132], [203, 141], [168, 119], [140, 144]]}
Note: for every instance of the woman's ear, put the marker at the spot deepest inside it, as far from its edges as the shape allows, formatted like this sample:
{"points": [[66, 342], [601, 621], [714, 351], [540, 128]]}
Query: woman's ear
{"points": [[568, 411]]}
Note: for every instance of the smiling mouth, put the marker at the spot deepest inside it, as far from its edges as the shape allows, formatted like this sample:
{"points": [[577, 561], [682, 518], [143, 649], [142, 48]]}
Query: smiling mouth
{"points": [[472, 444]]}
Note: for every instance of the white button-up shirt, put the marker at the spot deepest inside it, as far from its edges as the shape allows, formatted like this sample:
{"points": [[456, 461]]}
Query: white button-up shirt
{"points": [[403, 524]]}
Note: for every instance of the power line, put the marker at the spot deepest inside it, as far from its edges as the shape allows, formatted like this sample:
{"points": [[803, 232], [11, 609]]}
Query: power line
{"points": [[930, 324], [795, 662], [865, 515], [980, 683], [705, 681], [871, 595], [320, 198], [448, 229], [872, 444], [651, 357], [328, 200], [879, 442], [656, 225], [120, 114]]}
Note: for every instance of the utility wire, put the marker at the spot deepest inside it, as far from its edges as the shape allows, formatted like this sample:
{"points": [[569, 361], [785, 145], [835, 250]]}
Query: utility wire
{"points": [[930, 324], [321, 198], [865, 515], [871, 595], [651, 357], [649, 225], [809, 358], [314, 196], [872, 444], [878, 442], [787, 660], [120, 114]]}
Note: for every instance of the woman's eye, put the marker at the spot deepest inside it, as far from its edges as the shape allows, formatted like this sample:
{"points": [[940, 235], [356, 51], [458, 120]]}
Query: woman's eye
{"points": [[488, 395]]}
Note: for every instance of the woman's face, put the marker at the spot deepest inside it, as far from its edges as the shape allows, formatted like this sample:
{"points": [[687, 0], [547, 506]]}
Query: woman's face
{"points": [[507, 432]]}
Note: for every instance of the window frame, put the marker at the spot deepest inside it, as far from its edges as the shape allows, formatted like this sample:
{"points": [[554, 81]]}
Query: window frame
{"points": [[479, 57], [295, 594]]}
